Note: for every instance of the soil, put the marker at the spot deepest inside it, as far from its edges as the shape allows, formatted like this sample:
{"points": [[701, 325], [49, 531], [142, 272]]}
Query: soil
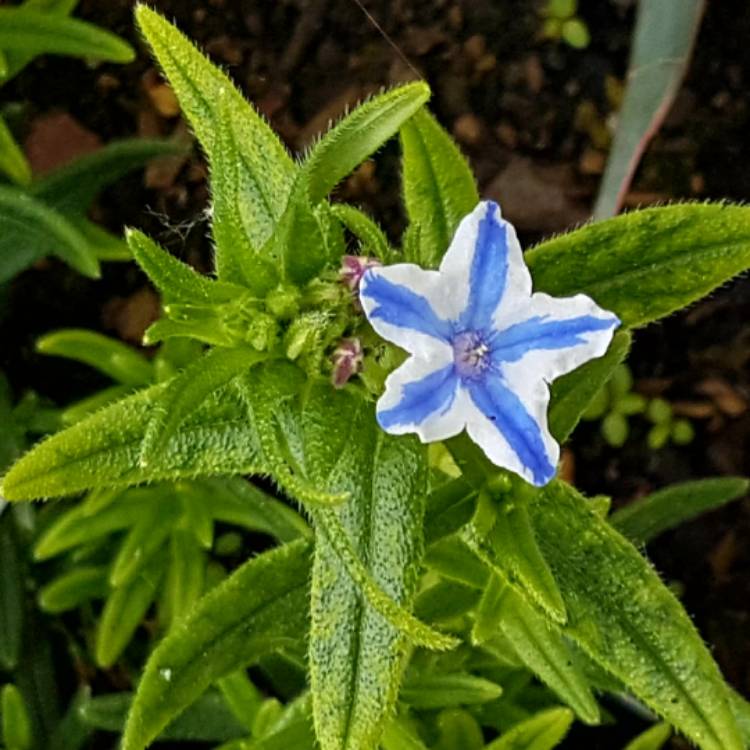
{"points": [[533, 116]]}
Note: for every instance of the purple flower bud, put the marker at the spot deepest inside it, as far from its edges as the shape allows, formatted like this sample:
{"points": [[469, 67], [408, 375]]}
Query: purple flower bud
{"points": [[347, 361], [353, 268]]}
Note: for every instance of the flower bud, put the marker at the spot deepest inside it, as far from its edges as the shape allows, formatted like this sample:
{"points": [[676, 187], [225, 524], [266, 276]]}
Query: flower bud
{"points": [[347, 361]]}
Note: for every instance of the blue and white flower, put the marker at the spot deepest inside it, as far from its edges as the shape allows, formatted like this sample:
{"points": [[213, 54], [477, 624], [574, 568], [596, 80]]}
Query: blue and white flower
{"points": [[484, 348]]}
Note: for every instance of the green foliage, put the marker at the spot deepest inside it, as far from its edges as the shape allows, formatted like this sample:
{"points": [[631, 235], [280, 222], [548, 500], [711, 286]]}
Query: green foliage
{"points": [[16, 727], [561, 22], [644, 519], [692, 249]]}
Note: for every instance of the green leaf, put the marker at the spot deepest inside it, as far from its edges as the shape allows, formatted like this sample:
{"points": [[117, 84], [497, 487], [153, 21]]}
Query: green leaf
{"points": [[72, 188], [439, 187], [184, 395], [103, 449], [242, 697], [398, 735], [13, 162], [256, 610], [371, 236], [208, 719], [236, 258], [144, 540], [647, 264], [73, 588], [449, 508], [573, 393], [237, 501], [267, 170], [644, 519], [543, 731], [35, 32], [110, 356], [458, 728], [105, 245], [357, 136], [124, 611], [503, 534], [625, 619], [537, 642], [31, 230], [448, 690], [16, 724], [356, 654], [185, 577], [662, 47], [176, 281], [651, 739], [11, 596]]}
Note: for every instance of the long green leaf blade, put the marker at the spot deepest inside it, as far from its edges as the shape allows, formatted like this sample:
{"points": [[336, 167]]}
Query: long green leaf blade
{"points": [[32, 31], [439, 187], [646, 518], [357, 136], [628, 622], [103, 449], [647, 264], [258, 609], [542, 731], [31, 230], [13, 162], [267, 169]]}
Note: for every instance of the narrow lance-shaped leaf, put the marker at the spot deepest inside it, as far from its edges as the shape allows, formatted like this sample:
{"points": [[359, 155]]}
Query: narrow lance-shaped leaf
{"points": [[32, 230], [11, 595], [103, 449], [73, 187], [537, 642], [652, 739], [32, 31], [373, 239], [177, 281], [439, 187], [12, 160], [646, 518], [184, 394], [626, 620], [258, 609], [358, 135], [647, 264], [572, 394], [16, 724], [356, 654], [267, 170], [72, 589], [662, 45], [543, 731], [445, 690], [115, 359]]}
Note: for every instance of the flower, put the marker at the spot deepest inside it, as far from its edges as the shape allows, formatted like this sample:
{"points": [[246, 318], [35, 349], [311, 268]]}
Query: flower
{"points": [[484, 348]]}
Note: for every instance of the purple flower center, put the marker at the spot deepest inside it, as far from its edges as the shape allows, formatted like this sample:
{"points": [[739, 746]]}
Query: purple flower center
{"points": [[471, 354]]}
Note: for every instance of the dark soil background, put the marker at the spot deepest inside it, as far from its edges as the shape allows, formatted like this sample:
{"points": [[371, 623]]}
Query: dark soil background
{"points": [[534, 118]]}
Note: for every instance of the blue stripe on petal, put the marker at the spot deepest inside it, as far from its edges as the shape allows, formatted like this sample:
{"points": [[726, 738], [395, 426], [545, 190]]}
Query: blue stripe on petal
{"points": [[399, 306], [541, 332], [421, 399], [489, 270], [524, 435]]}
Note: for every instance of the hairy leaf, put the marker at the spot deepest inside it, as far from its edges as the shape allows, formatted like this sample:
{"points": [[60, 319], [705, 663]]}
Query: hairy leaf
{"points": [[448, 690], [647, 264], [32, 230], [646, 518], [626, 620], [439, 187], [258, 609], [449, 508], [373, 239], [572, 394], [357, 136], [103, 449], [267, 170], [651, 739]]}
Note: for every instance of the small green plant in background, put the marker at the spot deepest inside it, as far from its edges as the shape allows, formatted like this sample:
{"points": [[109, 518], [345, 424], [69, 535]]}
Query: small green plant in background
{"points": [[616, 402], [561, 22]]}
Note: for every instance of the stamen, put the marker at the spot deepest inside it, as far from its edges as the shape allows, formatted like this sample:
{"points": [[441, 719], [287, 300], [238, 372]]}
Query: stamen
{"points": [[470, 354]]}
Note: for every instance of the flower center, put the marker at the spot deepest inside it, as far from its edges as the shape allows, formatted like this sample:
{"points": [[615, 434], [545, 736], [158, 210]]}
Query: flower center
{"points": [[470, 354]]}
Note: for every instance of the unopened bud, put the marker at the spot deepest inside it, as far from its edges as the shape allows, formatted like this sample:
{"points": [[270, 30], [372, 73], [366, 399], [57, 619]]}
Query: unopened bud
{"points": [[353, 268], [347, 361]]}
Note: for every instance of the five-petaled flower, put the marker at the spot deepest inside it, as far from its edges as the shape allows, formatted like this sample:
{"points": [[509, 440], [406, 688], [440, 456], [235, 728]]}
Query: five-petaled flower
{"points": [[484, 348]]}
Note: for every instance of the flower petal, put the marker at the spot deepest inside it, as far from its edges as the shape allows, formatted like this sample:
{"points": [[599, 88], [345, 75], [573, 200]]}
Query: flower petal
{"points": [[397, 301], [484, 266], [558, 335], [422, 397], [512, 433]]}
